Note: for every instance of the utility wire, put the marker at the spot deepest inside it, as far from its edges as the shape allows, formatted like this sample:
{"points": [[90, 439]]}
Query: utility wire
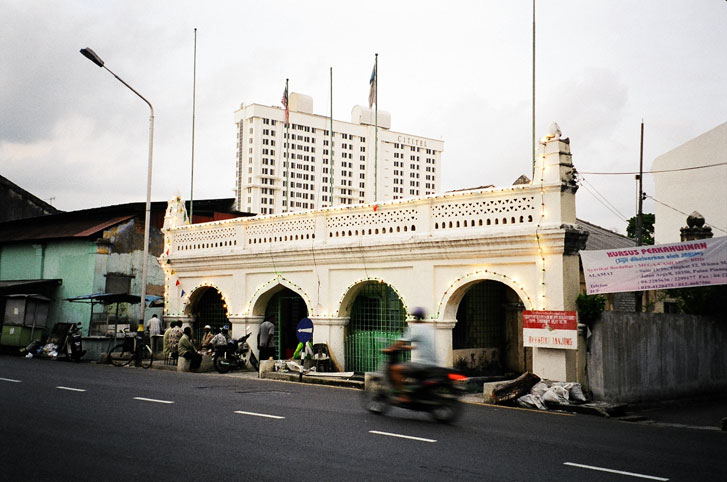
{"points": [[654, 172], [601, 198], [681, 212]]}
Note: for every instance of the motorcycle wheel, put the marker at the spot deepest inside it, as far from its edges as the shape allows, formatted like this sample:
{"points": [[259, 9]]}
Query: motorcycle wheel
{"points": [[448, 407], [222, 365], [375, 397]]}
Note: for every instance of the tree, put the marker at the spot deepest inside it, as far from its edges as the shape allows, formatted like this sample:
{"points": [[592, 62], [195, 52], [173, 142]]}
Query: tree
{"points": [[647, 228]]}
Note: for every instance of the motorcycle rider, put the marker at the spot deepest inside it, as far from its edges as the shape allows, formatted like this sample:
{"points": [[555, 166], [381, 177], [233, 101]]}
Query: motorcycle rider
{"points": [[419, 337]]}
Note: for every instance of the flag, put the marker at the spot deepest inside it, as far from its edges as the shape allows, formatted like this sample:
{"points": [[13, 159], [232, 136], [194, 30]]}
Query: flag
{"points": [[182, 295], [372, 88], [178, 283], [284, 101]]}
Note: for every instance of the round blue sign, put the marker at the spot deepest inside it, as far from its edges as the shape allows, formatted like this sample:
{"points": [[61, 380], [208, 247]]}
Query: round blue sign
{"points": [[304, 332]]}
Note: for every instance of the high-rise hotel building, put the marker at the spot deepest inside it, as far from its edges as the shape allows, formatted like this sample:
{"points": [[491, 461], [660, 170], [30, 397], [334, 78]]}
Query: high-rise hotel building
{"points": [[323, 171]]}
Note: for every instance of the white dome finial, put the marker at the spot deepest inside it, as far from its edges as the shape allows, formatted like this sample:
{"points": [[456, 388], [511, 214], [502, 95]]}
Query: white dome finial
{"points": [[553, 132]]}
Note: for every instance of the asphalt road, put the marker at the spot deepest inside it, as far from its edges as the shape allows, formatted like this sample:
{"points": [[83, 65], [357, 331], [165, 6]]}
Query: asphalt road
{"points": [[63, 421]]}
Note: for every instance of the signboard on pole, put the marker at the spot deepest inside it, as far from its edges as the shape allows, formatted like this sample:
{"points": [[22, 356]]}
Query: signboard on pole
{"points": [[550, 329], [304, 331], [664, 266]]}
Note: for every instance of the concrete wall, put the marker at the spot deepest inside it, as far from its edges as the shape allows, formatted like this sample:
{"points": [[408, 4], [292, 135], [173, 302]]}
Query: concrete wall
{"points": [[652, 356]]}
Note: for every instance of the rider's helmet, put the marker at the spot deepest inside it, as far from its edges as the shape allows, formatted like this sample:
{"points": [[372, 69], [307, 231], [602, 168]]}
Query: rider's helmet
{"points": [[418, 313]]}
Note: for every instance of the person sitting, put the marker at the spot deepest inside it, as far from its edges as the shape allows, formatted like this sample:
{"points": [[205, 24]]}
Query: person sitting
{"points": [[188, 351], [207, 338], [419, 337]]}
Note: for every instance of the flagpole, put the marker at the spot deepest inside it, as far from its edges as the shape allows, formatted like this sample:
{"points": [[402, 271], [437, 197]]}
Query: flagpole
{"points": [[533, 117], [376, 128], [194, 109], [331, 142], [287, 151]]}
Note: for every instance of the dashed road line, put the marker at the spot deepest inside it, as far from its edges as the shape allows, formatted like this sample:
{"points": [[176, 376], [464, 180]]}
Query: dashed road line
{"points": [[70, 389], [398, 435], [264, 415], [12, 380], [152, 400], [612, 471]]}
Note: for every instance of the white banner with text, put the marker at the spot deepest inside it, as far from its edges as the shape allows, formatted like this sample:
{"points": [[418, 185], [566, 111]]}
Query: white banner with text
{"points": [[664, 266], [550, 329]]}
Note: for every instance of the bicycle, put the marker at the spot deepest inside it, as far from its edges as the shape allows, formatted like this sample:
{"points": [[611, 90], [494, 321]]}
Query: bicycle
{"points": [[131, 349]]}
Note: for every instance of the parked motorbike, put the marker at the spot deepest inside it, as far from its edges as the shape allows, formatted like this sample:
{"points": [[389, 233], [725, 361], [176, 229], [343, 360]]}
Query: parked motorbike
{"points": [[73, 346], [236, 355], [436, 390]]}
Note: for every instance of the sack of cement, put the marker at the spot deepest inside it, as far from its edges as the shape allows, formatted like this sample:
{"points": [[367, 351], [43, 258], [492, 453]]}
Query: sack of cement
{"points": [[531, 401], [576, 393], [556, 394]]}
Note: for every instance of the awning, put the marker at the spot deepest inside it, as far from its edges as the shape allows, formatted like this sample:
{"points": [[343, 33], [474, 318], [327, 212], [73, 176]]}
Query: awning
{"points": [[29, 286], [110, 298]]}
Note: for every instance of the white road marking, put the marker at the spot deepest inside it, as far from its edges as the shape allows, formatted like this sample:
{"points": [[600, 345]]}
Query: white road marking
{"points": [[621, 472], [152, 400], [420, 439], [71, 389], [276, 417], [9, 380]]}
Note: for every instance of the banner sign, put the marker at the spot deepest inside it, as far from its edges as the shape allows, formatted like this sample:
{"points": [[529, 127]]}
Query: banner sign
{"points": [[550, 329], [664, 266]]}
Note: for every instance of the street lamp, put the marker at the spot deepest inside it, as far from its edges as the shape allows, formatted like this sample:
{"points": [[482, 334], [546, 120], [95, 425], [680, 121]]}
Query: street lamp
{"points": [[91, 55]]}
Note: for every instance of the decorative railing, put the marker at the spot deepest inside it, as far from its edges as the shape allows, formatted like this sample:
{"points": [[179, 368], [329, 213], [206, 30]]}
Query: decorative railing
{"points": [[479, 211]]}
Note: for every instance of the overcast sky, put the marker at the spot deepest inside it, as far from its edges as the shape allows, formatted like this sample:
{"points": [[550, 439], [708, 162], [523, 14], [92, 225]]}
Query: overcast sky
{"points": [[459, 71]]}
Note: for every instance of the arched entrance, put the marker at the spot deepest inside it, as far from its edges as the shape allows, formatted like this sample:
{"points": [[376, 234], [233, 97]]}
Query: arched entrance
{"points": [[378, 318], [285, 309], [208, 308], [487, 339]]}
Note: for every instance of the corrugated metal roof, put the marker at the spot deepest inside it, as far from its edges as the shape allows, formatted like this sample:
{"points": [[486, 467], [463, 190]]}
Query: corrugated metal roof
{"points": [[59, 227], [602, 238]]}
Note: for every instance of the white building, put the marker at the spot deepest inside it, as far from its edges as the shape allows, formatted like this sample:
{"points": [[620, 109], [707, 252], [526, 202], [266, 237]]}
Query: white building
{"points": [[473, 260], [404, 165], [703, 190]]}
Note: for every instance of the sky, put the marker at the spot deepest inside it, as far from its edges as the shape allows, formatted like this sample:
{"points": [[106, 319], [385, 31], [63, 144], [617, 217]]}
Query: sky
{"points": [[460, 71]]}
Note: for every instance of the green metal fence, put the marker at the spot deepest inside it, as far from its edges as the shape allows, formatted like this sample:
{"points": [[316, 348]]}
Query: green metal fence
{"points": [[378, 319]]}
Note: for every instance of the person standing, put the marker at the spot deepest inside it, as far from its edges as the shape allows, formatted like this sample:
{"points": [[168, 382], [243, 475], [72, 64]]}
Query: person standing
{"points": [[266, 340], [154, 326], [174, 336]]}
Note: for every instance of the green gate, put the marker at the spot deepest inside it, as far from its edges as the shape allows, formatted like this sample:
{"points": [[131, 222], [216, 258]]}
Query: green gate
{"points": [[210, 310], [378, 319], [285, 309]]}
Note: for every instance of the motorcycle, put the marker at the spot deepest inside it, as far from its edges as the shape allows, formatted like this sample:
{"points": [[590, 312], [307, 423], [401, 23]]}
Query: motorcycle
{"points": [[73, 346], [236, 355], [436, 390]]}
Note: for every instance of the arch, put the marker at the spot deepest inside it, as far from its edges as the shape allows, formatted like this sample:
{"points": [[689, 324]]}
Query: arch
{"points": [[377, 317], [259, 300], [195, 294], [345, 302], [447, 309], [207, 305]]}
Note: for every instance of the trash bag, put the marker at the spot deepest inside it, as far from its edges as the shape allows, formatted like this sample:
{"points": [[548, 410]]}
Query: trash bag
{"points": [[531, 401], [539, 389]]}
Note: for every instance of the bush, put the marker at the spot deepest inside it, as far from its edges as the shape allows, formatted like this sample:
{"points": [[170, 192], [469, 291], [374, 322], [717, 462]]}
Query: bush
{"points": [[590, 307]]}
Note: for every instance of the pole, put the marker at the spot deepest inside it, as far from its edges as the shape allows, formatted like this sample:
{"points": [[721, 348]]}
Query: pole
{"points": [[194, 111], [91, 55], [376, 128], [331, 142], [640, 213], [287, 152], [533, 101]]}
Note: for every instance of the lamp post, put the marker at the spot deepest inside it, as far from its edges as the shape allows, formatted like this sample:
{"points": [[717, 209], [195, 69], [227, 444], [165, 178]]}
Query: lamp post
{"points": [[91, 55]]}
